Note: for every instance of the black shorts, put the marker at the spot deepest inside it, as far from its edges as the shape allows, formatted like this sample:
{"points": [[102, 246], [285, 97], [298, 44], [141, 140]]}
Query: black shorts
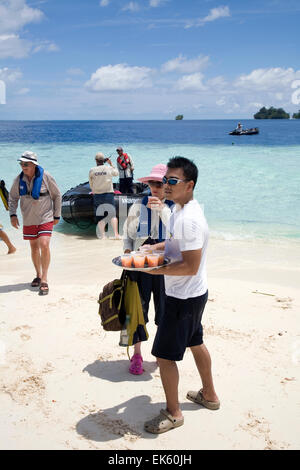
{"points": [[180, 327]]}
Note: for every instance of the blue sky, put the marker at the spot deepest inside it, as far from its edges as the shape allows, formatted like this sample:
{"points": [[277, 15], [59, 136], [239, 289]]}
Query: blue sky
{"points": [[148, 59]]}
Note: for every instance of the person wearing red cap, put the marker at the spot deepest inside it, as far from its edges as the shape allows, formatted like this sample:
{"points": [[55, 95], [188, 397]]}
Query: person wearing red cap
{"points": [[125, 167], [147, 223]]}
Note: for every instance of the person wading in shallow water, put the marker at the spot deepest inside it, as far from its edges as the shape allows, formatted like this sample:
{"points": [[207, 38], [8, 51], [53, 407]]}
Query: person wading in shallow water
{"points": [[40, 202]]}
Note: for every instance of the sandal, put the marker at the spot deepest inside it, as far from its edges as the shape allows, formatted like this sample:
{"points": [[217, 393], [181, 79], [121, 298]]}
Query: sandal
{"points": [[163, 423], [136, 367], [36, 282], [197, 397], [44, 288]]}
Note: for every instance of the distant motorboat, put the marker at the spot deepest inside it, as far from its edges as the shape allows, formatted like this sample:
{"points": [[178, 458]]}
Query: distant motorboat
{"points": [[252, 131]]}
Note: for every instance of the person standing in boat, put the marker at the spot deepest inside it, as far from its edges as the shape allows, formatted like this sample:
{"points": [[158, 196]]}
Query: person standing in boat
{"points": [[125, 167], [40, 202], [239, 127], [100, 179], [147, 223]]}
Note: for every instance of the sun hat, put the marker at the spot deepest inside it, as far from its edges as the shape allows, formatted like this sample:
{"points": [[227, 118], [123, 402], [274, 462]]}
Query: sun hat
{"points": [[28, 156], [119, 148], [100, 157], [157, 173]]}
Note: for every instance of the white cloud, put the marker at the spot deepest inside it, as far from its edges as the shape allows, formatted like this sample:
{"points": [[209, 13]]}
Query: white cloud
{"points": [[256, 105], [104, 3], [22, 91], [15, 14], [214, 14], [217, 82], [12, 46], [184, 65], [9, 76], [221, 102], [75, 71], [156, 3], [131, 6], [268, 79], [120, 77], [191, 82], [46, 46]]}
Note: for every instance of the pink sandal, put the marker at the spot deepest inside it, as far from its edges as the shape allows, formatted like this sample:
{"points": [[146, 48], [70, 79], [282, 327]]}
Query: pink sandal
{"points": [[136, 367]]}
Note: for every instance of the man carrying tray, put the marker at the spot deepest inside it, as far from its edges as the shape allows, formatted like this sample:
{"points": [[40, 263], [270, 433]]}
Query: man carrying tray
{"points": [[186, 296]]}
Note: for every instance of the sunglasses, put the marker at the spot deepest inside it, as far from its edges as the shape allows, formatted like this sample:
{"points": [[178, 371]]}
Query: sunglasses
{"points": [[24, 164], [172, 181], [156, 184]]}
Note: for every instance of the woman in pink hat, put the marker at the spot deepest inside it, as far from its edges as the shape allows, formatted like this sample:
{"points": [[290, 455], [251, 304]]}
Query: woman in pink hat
{"points": [[147, 223]]}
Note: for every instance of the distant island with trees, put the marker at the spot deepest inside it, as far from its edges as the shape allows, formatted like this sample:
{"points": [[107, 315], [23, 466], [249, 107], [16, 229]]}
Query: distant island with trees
{"points": [[296, 115], [271, 113], [179, 117]]}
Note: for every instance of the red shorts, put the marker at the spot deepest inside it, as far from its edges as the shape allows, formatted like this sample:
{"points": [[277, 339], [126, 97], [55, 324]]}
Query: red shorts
{"points": [[32, 232]]}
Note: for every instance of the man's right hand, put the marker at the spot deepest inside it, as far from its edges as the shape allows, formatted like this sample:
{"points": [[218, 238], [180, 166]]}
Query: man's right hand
{"points": [[15, 222]]}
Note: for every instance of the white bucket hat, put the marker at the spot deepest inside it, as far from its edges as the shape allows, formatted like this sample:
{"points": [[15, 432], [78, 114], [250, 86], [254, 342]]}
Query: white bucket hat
{"points": [[28, 157]]}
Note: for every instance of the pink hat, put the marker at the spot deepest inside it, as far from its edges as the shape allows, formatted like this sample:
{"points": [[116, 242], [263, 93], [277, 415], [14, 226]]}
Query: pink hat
{"points": [[157, 173]]}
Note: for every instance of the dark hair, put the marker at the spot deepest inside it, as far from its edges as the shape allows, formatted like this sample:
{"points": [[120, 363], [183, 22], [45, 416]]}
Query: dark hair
{"points": [[188, 167]]}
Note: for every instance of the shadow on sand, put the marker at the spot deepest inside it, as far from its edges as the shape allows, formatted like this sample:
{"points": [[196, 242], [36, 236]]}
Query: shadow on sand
{"points": [[117, 371], [123, 420], [17, 288]]}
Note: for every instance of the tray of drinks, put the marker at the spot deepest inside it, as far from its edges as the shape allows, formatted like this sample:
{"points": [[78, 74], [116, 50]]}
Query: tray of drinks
{"points": [[139, 261]]}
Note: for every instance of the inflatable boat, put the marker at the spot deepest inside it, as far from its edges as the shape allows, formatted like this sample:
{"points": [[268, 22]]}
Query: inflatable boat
{"points": [[77, 203], [252, 131]]}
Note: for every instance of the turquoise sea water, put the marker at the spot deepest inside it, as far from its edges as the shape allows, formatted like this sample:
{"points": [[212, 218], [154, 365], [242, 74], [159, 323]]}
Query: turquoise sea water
{"points": [[249, 190]]}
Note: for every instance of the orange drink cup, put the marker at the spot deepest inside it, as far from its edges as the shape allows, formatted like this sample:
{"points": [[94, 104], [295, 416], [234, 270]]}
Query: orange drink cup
{"points": [[126, 260], [139, 260], [153, 260], [161, 257]]}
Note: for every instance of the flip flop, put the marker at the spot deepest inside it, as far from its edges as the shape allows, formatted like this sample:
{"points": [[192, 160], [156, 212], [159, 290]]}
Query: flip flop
{"points": [[136, 367], [36, 282], [197, 397], [163, 423], [44, 288]]}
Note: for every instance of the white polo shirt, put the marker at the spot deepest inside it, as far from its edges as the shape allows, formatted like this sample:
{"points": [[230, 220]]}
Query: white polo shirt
{"points": [[188, 231]]}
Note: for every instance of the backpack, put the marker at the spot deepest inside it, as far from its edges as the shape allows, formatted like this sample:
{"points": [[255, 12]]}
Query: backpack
{"points": [[110, 303]]}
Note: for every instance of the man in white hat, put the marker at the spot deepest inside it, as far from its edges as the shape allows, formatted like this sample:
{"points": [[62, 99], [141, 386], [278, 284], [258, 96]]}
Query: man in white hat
{"points": [[100, 179], [40, 203]]}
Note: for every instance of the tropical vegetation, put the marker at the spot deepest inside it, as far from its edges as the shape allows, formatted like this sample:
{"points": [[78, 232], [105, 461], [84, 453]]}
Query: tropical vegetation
{"points": [[296, 115], [271, 113]]}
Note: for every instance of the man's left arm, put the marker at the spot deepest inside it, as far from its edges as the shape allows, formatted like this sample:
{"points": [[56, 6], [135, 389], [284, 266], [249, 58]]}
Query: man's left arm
{"points": [[55, 195]]}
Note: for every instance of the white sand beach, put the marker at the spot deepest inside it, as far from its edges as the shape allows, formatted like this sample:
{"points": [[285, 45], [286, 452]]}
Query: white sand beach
{"points": [[64, 382]]}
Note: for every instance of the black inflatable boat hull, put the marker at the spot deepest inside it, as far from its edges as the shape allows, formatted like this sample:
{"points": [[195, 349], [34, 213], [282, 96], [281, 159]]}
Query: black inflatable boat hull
{"points": [[78, 209]]}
